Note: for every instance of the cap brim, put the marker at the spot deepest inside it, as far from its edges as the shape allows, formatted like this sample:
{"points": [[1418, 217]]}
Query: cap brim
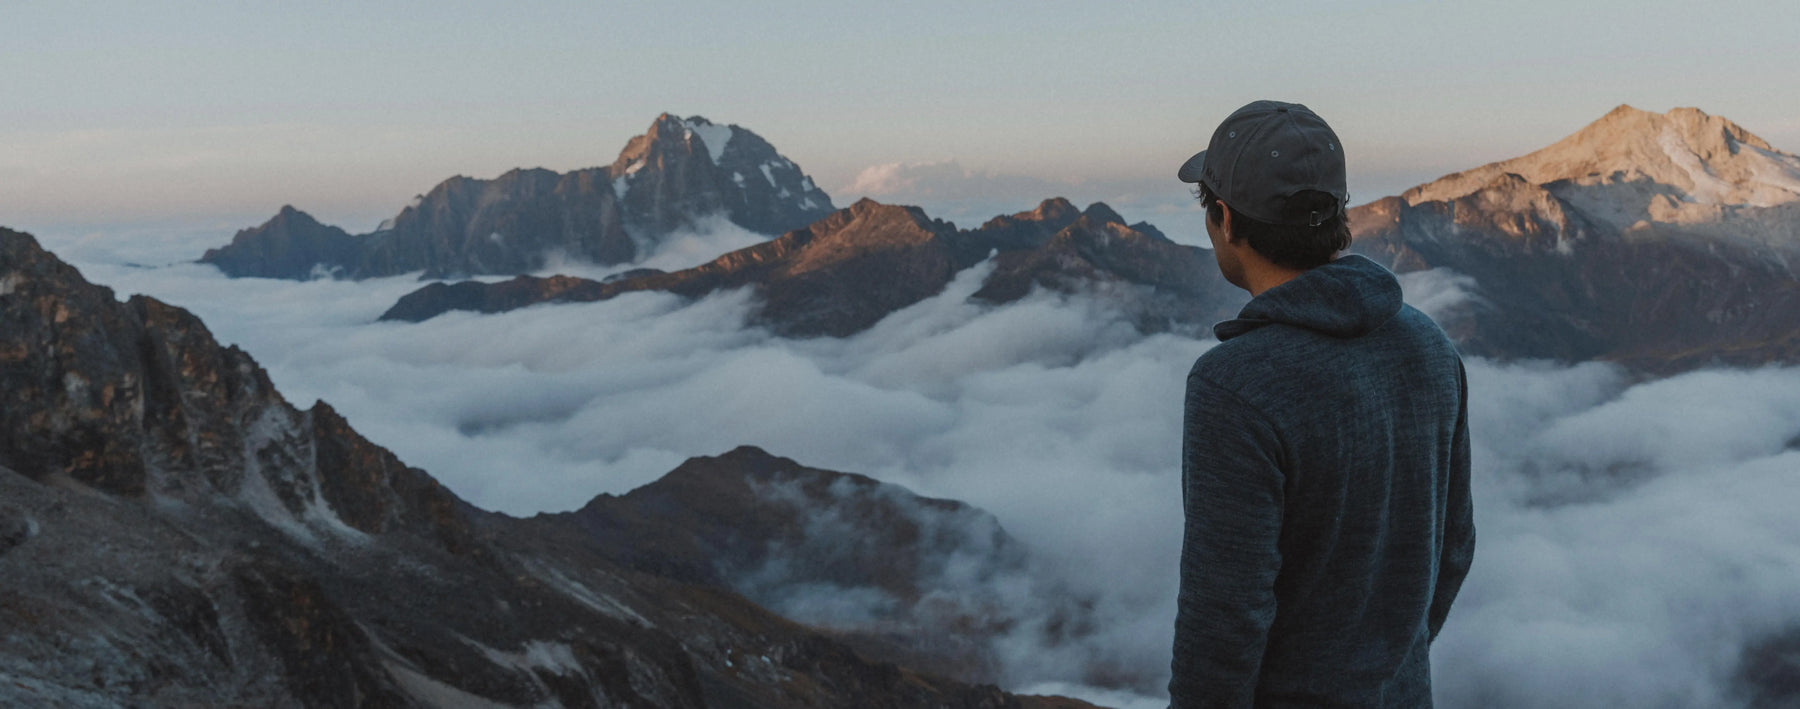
{"points": [[1190, 170]]}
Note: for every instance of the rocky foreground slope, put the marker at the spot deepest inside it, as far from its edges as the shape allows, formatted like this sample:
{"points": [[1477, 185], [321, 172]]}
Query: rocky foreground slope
{"points": [[843, 273], [677, 174], [174, 533], [1664, 241]]}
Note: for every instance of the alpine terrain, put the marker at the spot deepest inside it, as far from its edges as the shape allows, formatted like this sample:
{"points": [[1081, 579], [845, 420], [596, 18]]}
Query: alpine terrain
{"points": [[845, 272], [1664, 241], [174, 533], [677, 174]]}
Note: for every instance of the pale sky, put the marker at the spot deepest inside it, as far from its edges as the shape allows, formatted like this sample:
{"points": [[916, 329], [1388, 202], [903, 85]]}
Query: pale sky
{"points": [[216, 114]]}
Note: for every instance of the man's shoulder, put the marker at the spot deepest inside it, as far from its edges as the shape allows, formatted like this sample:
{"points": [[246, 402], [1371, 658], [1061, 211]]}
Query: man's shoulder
{"points": [[1287, 356], [1240, 364]]}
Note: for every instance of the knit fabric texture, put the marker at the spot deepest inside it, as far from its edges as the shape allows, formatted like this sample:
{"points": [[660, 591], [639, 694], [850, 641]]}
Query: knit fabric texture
{"points": [[1325, 476]]}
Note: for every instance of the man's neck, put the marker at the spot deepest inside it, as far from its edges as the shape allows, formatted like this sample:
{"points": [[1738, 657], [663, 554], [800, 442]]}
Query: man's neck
{"points": [[1259, 277]]}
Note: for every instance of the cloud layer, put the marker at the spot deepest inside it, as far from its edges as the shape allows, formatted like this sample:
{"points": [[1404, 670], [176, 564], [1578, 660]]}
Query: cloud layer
{"points": [[1632, 537]]}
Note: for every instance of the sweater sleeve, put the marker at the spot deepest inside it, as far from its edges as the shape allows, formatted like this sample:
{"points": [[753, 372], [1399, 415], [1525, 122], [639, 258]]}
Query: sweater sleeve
{"points": [[1459, 517], [1232, 490]]}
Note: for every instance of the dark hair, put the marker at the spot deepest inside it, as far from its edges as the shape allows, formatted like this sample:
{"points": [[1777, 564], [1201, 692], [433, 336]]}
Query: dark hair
{"points": [[1300, 247]]}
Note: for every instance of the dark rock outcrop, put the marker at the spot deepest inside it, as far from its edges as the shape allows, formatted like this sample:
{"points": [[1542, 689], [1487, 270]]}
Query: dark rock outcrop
{"points": [[290, 245], [845, 272], [676, 174], [174, 533], [1663, 241]]}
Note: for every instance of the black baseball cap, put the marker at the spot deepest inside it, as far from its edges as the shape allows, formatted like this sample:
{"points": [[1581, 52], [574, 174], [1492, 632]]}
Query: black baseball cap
{"points": [[1264, 154]]}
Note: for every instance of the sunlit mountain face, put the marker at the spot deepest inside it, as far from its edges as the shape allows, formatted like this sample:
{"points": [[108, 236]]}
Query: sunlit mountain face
{"points": [[964, 454], [1664, 241]]}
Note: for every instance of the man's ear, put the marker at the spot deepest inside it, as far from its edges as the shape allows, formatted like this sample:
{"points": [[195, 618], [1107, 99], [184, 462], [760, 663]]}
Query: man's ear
{"points": [[1225, 222]]}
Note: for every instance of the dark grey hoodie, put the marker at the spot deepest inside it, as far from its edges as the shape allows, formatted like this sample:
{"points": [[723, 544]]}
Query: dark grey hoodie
{"points": [[1325, 470]]}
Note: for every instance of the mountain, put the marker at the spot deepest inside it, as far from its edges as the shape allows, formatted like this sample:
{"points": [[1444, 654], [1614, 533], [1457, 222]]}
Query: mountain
{"points": [[841, 274], [291, 245], [929, 583], [673, 177], [1663, 241], [174, 533]]}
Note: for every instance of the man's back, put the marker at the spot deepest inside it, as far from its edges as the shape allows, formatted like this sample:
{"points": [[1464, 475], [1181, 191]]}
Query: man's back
{"points": [[1325, 469]]}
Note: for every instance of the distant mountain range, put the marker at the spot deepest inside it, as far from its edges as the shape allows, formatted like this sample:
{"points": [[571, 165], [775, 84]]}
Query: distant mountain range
{"points": [[174, 533], [676, 174], [845, 272], [1663, 241]]}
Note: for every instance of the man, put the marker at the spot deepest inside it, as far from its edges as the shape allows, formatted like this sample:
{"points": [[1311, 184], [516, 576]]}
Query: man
{"points": [[1325, 449]]}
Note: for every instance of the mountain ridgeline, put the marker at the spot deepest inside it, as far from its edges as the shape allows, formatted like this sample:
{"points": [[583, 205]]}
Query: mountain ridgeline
{"points": [[845, 272], [174, 533], [678, 173], [1663, 241]]}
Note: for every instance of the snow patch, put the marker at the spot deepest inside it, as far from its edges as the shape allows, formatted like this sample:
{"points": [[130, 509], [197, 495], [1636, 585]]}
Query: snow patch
{"points": [[275, 428], [620, 187], [586, 596], [9, 283], [1708, 188], [634, 167], [1775, 170], [558, 658], [714, 137], [770, 176], [806, 184], [496, 238], [431, 692], [738, 177]]}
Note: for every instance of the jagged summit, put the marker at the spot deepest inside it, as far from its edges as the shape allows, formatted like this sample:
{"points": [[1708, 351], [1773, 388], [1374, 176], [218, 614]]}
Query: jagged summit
{"points": [[1704, 160], [678, 175]]}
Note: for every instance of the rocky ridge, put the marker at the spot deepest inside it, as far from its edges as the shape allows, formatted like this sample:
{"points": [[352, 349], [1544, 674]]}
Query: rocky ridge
{"points": [[845, 272], [174, 533], [675, 176]]}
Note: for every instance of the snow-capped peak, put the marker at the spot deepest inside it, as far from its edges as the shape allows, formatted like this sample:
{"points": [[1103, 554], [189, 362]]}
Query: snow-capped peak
{"points": [[715, 137], [1708, 159]]}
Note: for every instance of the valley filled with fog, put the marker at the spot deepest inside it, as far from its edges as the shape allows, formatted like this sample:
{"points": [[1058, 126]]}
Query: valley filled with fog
{"points": [[1633, 536]]}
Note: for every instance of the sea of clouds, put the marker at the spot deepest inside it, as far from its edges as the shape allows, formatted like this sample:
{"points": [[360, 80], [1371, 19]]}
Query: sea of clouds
{"points": [[1633, 536]]}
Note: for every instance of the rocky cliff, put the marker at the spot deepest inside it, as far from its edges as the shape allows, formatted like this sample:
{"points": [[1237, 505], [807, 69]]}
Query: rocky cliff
{"points": [[1665, 241], [677, 174], [843, 273], [174, 533]]}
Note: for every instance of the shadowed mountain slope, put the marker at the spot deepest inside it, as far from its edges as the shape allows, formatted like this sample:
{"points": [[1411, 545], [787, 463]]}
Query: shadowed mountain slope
{"points": [[845, 272], [677, 174]]}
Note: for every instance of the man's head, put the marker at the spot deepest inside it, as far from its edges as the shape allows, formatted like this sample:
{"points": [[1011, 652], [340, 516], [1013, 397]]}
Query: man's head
{"points": [[1274, 184]]}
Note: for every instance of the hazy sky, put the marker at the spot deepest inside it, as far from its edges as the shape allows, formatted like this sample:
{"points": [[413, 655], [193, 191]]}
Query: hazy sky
{"points": [[215, 114]]}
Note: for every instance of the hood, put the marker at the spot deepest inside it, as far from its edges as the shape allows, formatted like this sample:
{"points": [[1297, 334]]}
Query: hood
{"points": [[1349, 297]]}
